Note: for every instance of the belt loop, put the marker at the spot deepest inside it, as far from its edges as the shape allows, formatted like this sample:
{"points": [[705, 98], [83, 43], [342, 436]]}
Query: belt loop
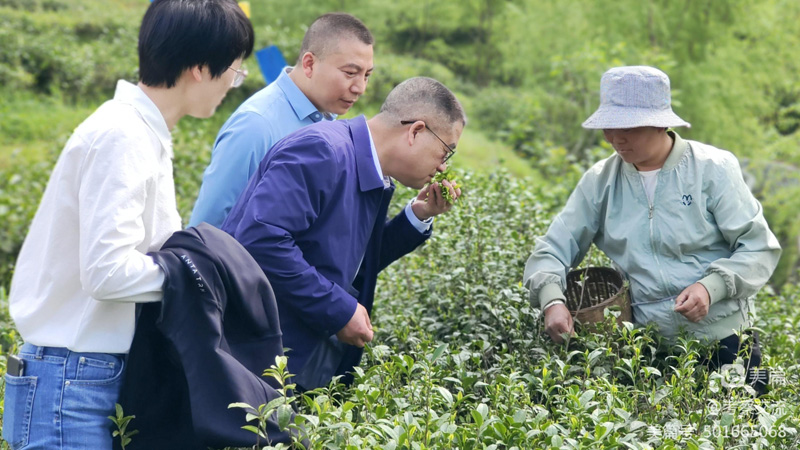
{"points": [[39, 352]]}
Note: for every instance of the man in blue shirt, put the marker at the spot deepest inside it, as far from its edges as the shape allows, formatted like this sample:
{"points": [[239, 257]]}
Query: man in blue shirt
{"points": [[331, 73], [314, 218]]}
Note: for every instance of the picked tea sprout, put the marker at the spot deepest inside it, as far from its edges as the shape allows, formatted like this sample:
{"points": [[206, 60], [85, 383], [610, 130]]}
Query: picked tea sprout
{"points": [[452, 178]]}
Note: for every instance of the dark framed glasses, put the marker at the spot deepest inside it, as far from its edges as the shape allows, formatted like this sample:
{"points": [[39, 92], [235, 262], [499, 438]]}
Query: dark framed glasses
{"points": [[449, 149]]}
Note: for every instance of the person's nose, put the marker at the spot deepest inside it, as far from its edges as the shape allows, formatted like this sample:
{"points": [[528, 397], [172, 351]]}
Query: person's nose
{"points": [[359, 86], [442, 167], [614, 137]]}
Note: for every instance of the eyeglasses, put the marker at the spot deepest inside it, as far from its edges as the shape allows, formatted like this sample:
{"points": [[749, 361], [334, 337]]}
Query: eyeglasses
{"points": [[449, 149], [238, 79]]}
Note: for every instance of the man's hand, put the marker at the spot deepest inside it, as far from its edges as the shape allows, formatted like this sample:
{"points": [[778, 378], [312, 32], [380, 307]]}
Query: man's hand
{"points": [[358, 330], [693, 302], [557, 321], [430, 202]]}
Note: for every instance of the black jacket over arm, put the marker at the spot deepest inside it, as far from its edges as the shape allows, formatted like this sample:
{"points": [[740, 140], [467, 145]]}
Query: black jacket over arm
{"points": [[203, 347]]}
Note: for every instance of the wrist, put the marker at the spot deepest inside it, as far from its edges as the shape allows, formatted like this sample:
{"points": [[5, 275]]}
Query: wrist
{"points": [[551, 303], [549, 293], [715, 286], [418, 208]]}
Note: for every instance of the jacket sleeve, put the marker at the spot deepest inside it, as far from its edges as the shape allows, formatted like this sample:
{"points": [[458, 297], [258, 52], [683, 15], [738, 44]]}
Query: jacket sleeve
{"points": [[754, 248], [400, 238], [563, 246], [238, 150], [285, 203]]}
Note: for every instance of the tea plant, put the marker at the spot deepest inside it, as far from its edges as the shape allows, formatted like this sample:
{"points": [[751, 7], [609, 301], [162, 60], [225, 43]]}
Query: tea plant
{"points": [[279, 410], [451, 177], [121, 422], [460, 359]]}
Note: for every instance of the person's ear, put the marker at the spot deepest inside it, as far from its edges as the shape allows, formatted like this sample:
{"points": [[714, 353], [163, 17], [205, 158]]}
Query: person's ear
{"points": [[195, 73], [414, 131], [308, 62]]}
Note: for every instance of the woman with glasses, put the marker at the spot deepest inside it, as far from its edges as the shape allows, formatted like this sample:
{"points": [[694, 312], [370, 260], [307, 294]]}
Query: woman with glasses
{"points": [[109, 201]]}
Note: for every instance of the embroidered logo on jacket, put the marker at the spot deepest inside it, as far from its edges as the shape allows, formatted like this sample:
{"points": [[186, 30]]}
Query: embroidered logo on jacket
{"points": [[686, 200], [196, 273]]}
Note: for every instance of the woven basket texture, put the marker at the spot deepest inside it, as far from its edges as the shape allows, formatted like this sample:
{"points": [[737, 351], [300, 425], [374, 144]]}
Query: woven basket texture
{"points": [[590, 291]]}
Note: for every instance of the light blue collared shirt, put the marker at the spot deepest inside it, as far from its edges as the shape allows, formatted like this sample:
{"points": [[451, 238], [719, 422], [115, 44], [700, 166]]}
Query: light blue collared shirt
{"points": [[258, 123]]}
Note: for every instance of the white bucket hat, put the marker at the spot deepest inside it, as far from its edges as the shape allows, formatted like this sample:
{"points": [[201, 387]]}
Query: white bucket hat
{"points": [[634, 96]]}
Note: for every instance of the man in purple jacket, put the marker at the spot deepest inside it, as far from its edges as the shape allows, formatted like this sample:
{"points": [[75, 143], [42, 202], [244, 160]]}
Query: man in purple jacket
{"points": [[314, 217]]}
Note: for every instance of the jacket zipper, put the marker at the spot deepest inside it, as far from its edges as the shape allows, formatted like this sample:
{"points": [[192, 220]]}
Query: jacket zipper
{"points": [[652, 239], [651, 207]]}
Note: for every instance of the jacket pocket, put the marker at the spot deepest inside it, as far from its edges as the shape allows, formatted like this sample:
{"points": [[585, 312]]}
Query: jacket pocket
{"points": [[659, 312], [18, 410], [720, 310]]}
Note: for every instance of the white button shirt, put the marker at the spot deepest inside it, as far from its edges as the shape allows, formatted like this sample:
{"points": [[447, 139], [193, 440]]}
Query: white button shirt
{"points": [[109, 200]]}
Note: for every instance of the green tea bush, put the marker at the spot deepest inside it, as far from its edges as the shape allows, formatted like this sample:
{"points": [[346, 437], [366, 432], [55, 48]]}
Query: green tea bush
{"points": [[393, 69], [21, 189], [460, 359], [57, 52], [9, 344], [778, 187], [518, 78]]}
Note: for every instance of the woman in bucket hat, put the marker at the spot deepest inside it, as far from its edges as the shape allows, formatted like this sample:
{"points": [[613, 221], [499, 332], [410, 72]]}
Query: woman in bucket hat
{"points": [[674, 215]]}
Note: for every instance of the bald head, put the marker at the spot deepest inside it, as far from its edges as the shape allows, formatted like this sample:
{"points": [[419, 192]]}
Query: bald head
{"points": [[325, 33], [426, 99]]}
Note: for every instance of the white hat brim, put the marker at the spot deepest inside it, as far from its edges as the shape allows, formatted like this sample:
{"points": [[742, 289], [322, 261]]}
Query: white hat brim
{"points": [[615, 117]]}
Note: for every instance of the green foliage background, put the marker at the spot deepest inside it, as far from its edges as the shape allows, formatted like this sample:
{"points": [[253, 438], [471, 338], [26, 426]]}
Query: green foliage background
{"points": [[527, 71], [528, 74]]}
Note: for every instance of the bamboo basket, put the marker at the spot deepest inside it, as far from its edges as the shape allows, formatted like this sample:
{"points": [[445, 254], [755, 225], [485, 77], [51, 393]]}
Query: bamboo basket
{"points": [[602, 288]]}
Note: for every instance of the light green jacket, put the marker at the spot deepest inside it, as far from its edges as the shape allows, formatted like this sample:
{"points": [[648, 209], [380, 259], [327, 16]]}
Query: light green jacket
{"points": [[703, 225]]}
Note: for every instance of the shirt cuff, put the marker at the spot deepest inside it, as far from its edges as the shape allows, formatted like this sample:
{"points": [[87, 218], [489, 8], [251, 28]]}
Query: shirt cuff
{"points": [[421, 225], [340, 315], [553, 303], [548, 293], [715, 285]]}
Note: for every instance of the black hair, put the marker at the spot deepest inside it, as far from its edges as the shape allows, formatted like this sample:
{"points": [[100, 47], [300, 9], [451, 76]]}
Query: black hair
{"points": [[180, 34], [326, 31]]}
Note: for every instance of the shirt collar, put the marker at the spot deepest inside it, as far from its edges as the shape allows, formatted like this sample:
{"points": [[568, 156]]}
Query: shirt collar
{"points": [[301, 105], [370, 175], [131, 94], [375, 159], [679, 147]]}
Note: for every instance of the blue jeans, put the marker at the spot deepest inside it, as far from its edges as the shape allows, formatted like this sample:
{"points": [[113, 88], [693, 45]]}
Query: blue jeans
{"points": [[62, 400]]}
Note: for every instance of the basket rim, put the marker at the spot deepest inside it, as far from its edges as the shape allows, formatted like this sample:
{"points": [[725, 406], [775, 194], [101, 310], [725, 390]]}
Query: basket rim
{"points": [[621, 289], [596, 269], [605, 302]]}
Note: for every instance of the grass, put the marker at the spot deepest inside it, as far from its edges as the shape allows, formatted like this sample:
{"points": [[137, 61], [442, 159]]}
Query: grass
{"points": [[35, 125], [478, 153]]}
